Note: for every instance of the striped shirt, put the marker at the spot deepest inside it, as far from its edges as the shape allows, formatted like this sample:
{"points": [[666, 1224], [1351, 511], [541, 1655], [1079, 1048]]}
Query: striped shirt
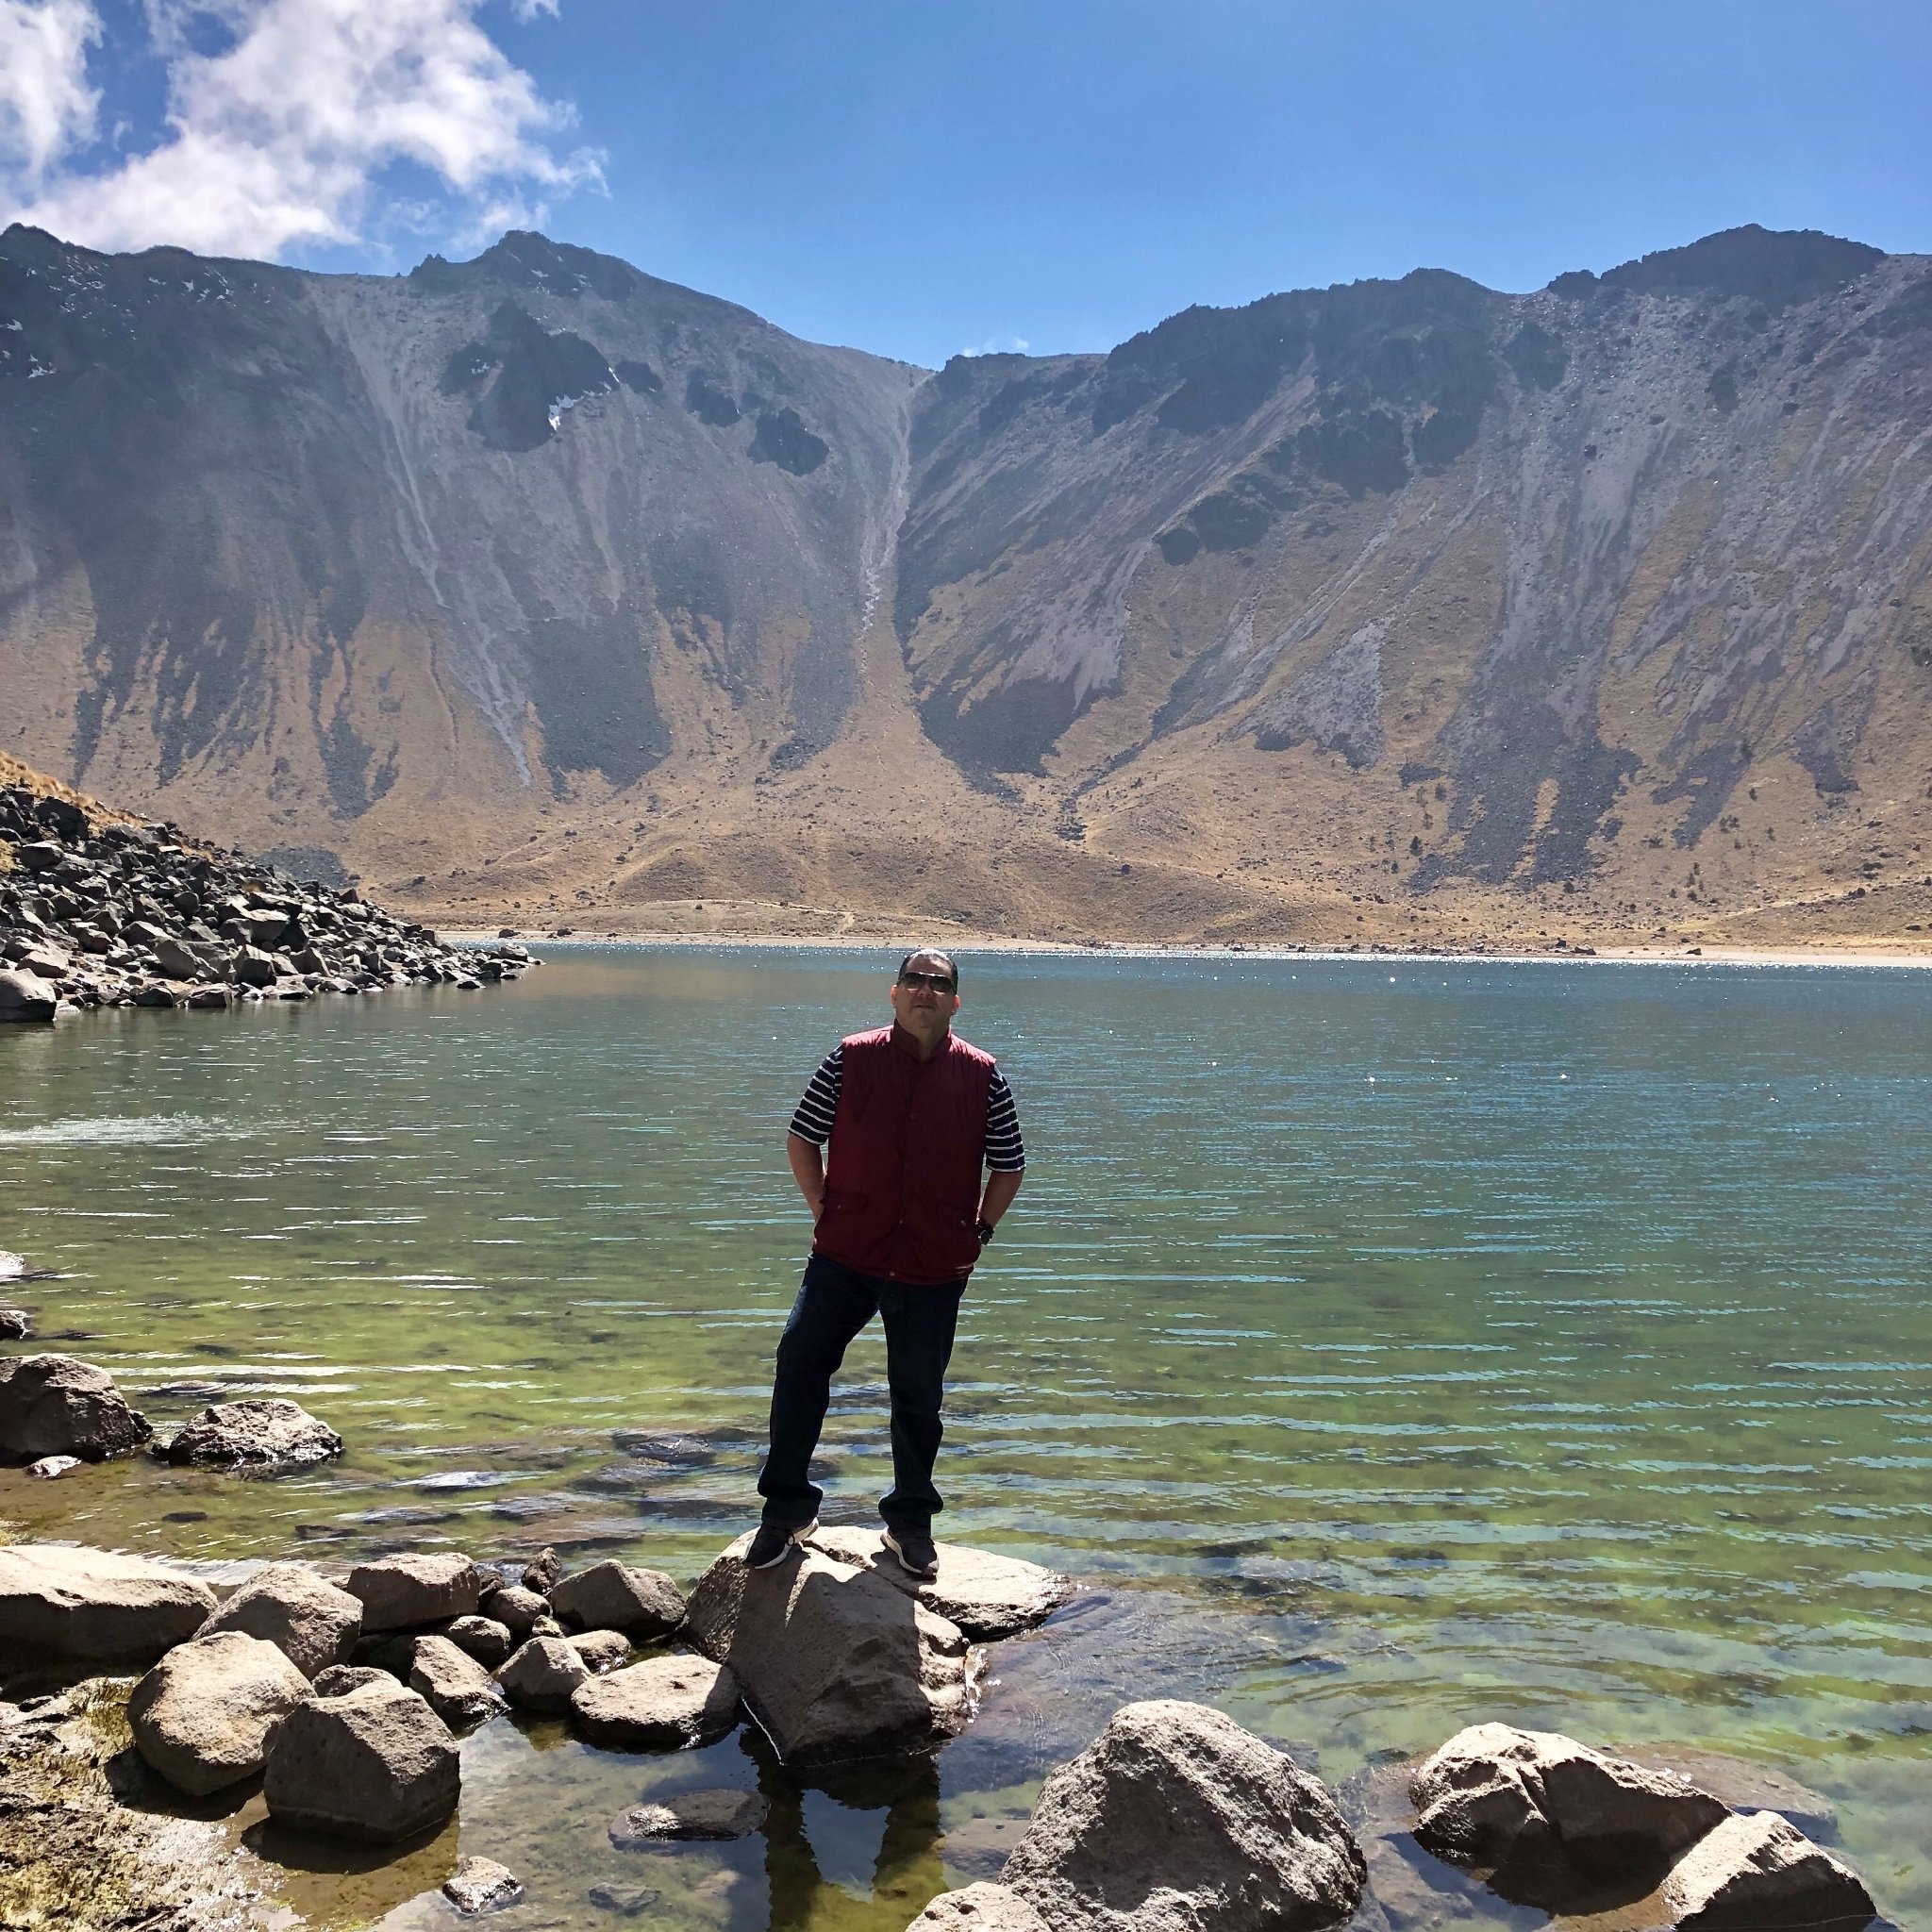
{"points": [[1006, 1152]]}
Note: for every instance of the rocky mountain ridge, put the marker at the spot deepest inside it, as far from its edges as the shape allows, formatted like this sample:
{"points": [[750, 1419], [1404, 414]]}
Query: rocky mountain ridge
{"points": [[534, 585]]}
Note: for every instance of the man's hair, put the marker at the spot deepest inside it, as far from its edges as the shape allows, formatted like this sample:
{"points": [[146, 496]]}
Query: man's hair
{"points": [[930, 953]]}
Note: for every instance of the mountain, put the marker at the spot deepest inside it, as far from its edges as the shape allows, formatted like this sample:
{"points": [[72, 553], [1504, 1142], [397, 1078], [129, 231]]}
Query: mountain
{"points": [[534, 585]]}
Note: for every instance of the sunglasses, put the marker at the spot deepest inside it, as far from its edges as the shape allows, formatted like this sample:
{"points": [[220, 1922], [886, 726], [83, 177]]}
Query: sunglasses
{"points": [[940, 982]]}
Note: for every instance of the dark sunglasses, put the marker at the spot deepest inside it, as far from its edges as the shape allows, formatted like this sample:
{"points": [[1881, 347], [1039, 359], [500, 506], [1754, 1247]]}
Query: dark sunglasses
{"points": [[940, 982]]}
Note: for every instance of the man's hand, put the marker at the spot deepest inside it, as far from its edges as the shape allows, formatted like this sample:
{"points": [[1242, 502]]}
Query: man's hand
{"points": [[809, 1170], [1000, 1189]]}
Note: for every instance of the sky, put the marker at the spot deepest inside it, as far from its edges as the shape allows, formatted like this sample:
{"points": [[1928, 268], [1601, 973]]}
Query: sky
{"points": [[922, 179]]}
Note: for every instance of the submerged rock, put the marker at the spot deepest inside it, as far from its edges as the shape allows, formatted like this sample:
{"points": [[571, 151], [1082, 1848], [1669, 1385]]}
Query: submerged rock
{"points": [[664, 1703], [988, 1596], [308, 1618], [52, 1405], [481, 1885], [94, 1607], [979, 1908], [375, 1763], [644, 1604], [1176, 1817], [713, 1815], [201, 1717], [1758, 1871], [837, 1662], [259, 1432], [399, 1593], [626, 1901]]}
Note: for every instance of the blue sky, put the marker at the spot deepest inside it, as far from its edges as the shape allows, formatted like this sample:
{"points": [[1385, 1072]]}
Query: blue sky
{"points": [[920, 178]]}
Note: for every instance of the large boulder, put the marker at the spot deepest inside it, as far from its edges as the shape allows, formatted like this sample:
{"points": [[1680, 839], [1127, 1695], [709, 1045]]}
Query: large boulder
{"points": [[257, 1432], [987, 1596], [202, 1715], [1755, 1870], [399, 1593], [52, 1404], [517, 1609], [375, 1763], [1174, 1818], [460, 1690], [308, 1618], [1551, 1816], [25, 997], [979, 1908], [837, 1662], [94, 1605], [644, 1604], [482, 1637], [543, 1675], [664, 1703]]}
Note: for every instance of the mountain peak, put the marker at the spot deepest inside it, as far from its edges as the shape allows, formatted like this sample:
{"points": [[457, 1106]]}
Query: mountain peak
{"points": [[1775, 266], [523, 259]]}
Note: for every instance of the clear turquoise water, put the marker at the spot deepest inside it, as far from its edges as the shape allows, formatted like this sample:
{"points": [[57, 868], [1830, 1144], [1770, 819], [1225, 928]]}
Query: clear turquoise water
{"points": [[1402, 1343]]}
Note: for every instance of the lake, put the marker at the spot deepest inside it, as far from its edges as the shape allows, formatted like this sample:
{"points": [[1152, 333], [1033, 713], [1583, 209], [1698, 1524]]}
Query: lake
{"points": [[1393, 1345]]}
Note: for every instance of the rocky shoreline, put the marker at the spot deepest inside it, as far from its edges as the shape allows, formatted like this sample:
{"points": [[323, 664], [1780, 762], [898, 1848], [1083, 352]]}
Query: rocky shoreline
{"points": [[98, 911], [339, 1694]]}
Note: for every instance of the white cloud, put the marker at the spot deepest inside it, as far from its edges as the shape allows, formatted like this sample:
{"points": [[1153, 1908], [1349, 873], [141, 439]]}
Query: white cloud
{"points": [[46, 107], [274, 139], [998, 345]]}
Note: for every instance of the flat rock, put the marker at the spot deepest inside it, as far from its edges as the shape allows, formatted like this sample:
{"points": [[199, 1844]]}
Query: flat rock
{"points": [[481, 1885], [543, 1673], [1756, 1870], [52, 1404], [308, 1618], [482, 1637], [397, 1593], [714, 1814], [374, 1764], [979, 1908], [95, 1606], [460, 1690], [201, 1716], [259, 1432], [1550, 1817], [664, 1703], [1174, 1818], [988, 1596], [517, 1609], [602, 1650], [837, 1662], [644, 1604]]}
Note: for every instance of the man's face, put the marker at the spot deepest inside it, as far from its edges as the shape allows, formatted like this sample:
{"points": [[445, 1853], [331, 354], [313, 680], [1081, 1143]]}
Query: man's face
{"points": [[923, 1008]]}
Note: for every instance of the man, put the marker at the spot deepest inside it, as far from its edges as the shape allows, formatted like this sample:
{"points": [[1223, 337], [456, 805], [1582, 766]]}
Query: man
{"points": [[913, 1115]]}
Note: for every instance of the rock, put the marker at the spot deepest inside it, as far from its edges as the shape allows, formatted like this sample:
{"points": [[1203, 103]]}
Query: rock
{"points": [[1177, 1818], [460, 1690], [313, 1623], [15, 1323], [201, 1716], [627, 1901], [338, 1681], [25, 998], [375, 1763], [517, 1610], [181, 962], [482, 1637], [836, 1661], [254, 967], [256, 1432], [664, 1703], [542, 1572], [543, 1675], [1744, 1784], [716, 1814], [644, 1604], [988, 1596], [1756, 1870], [397, 1593], [547, 1625], [979, 1908], [1549, 1815], [95, 1607], [49, 1467], [600, 1650], [481, 1885], [52, 1404]]}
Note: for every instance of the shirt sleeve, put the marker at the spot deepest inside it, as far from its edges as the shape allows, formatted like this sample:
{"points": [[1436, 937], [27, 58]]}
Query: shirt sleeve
{"points": [[813, 1120], [1006, 1152]]}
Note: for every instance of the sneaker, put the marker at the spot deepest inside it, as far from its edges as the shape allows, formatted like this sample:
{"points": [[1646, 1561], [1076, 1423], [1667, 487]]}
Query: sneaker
{"points": [[775, 1542], [914, 1549]]}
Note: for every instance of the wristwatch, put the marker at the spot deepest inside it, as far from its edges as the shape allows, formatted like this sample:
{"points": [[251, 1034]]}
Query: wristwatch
{"points": [[984, 1231]]}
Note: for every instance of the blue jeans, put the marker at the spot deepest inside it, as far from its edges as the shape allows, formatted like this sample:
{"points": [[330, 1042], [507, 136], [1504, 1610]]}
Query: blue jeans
{"points": [[834, 1304]]}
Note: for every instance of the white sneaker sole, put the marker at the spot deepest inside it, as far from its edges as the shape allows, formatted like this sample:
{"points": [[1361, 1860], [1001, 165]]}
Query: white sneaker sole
{"points": [[911, 1570]]}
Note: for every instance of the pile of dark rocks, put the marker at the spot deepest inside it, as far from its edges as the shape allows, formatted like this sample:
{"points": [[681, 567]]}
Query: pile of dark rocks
{"points": [[99, 912]]}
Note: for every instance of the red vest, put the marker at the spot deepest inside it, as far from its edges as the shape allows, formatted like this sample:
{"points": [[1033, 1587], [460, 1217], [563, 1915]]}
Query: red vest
{"points": [[908, 1143]]}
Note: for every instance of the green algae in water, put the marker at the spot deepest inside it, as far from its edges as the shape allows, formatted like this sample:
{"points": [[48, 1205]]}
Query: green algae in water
{"points": [[1405, 1344]]}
